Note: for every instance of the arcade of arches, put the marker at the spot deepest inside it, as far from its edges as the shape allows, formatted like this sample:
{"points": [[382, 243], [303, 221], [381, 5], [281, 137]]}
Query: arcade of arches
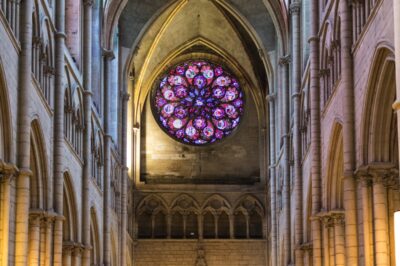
{"points": [[199, 132]]}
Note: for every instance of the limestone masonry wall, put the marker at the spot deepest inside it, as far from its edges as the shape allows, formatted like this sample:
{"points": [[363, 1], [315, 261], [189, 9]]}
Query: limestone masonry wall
{"points": [[186, 252]]}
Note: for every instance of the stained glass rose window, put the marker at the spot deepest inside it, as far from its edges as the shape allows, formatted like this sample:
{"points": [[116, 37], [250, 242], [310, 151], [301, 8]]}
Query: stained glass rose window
{"points": [[198, 103]]}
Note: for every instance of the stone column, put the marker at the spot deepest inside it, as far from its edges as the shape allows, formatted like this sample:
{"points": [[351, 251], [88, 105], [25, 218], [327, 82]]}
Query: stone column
{"points": [[23, 135], [380, 216], [315, 135], [124, 178], [7, 172], [284, 65], [331, 243], [327, 225], [349, 197], [201, 223], [339, 239], [48, 224], [108, 57], [66, 254], [58, 150], [364, 181], [76, 255], [272, 178], [231, 226], [396, 106], [43, 240], [169, 223], [87, 84], [34, 238], [298, 180]]}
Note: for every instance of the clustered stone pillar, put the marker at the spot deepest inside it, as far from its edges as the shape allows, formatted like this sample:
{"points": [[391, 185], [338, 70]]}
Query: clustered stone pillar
{"points": [[108, 57], [23, 135], [87, 84], [298, 180], [349, 197], [315, 136], [284, 65], [58, 150]]}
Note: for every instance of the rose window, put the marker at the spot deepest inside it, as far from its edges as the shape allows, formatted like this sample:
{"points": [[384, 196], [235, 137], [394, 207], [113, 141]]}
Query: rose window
{"points": [[198, 103]]}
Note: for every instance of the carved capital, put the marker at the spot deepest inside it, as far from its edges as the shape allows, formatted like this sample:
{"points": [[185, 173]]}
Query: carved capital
{"points": [[296, 95], [36, 40], [338, 219], [126, 97], [396, 105], [327, 221], [7, 171], [49, 70], [60, 35], [271, 97], [323, 72], [313, 39], [294, 8], [285, 60], [88, 3], [34, 219], [108, 54]]}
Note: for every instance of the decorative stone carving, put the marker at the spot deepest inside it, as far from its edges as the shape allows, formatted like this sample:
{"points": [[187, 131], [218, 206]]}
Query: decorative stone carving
{"points": [[295, 8], [201, 260], [285, 60]]}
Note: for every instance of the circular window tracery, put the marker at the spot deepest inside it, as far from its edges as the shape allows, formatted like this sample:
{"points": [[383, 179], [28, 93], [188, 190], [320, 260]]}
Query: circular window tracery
{"points": [[198, 103]]}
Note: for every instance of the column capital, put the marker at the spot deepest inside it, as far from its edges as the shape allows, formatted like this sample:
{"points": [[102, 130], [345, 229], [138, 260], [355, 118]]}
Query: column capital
{"points": [[327, 221], [313, 39], [88, 3], [34, 219], [338, 219], [296, 95], [381, 172], [68, 246], [60, 35], [7, 171], [396, 105], [271, 97], [285, 60], [108, 54], [306, 246], [294, 8], [126, 96]]}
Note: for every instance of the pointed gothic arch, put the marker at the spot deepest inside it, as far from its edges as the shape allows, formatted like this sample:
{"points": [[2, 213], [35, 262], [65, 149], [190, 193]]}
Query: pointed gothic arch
{"points": [[70, 212], [39, 185], [95, 242], [379, 134], [335, 173], [5, 119]]}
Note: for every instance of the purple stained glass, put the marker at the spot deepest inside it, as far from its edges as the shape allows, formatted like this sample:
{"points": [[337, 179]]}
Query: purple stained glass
{"points": [[198, 103]]}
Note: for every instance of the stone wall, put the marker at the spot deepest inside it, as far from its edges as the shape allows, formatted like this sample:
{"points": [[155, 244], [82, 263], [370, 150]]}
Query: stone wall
{"points": [[188, 252], [233, 160]]}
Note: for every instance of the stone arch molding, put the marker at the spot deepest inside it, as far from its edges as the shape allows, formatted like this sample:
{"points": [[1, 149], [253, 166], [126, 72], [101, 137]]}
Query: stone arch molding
{"points": [[166, 38], [215, 205], [39, 181], [334, 184], [378, 124], [5, 119]]}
